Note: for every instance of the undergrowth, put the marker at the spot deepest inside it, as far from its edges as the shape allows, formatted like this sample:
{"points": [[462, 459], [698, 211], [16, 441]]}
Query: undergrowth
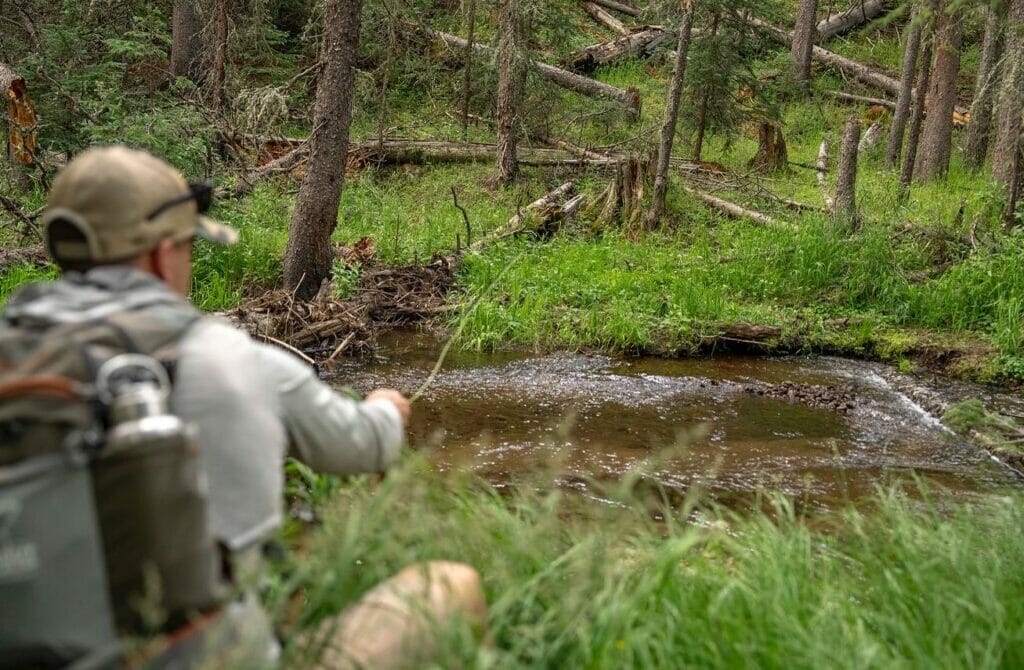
{"points": [[909, 584]]}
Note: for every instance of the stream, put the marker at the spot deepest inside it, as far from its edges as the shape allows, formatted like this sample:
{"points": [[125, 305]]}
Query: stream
{"points": [[823, 430]]}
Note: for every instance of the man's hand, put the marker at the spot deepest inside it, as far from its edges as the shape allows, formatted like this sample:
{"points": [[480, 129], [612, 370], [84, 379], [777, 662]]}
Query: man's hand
{"points": [[400, 402]]}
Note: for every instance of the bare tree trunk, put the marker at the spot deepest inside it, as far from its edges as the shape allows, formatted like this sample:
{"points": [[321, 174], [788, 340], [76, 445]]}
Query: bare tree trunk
{"points": [[220, 48], [804, 33], [846, 173], [980, 128], [22, 122], [308, 258], [619, 7], [601, 16], [509, 64], [1011, 97], [916, 118], [937, 134], [899, 118], [702, 111], [467, 67], [668, 126], [186, 42]]}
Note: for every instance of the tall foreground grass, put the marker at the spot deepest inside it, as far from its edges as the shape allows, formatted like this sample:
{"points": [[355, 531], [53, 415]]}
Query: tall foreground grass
{"points": [[908, 584]]}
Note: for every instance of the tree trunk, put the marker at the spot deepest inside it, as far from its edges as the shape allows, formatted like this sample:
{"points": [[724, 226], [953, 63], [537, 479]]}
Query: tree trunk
{"points": [[1013, 189], [859, 14], [937, 134], [803, 41], [308, 257], [702, 111], [976, 147], [467, 67], [186, 42], [22, 122], [916, 118], [771, 153], [1011, 97], [220, 48], [668, 126], [902, 113], [846, 171], [509, 63]]}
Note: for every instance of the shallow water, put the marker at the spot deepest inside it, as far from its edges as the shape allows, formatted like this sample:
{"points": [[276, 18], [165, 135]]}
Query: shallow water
{"points": [[727, 424]]}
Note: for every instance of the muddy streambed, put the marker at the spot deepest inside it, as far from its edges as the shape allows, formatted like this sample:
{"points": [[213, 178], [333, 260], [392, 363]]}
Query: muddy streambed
{"points": [[824, 430]]}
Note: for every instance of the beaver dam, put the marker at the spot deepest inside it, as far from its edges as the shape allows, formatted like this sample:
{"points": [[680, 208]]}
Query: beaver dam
{"points": [[821, 430]]}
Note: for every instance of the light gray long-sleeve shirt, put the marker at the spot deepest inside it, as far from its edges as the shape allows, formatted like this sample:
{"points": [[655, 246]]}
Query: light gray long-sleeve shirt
{"points": [[250, 401]]}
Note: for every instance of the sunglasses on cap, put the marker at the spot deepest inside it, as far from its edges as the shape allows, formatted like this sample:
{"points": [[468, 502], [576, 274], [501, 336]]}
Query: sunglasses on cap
{"points": [[201, 192]]}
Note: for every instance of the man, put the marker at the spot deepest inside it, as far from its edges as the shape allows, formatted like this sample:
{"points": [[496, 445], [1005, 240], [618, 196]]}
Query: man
{"points": [[120, 223]]}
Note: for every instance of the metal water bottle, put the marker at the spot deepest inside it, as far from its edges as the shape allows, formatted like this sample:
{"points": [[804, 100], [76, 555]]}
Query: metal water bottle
{"points": [[162, 563]]}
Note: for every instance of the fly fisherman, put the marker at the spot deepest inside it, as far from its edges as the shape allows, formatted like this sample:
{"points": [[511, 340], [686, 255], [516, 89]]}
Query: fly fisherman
{"points": [[120, 224]]}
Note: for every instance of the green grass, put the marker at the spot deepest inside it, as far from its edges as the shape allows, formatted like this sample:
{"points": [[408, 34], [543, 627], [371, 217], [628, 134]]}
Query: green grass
{"points": [[909, 584]]}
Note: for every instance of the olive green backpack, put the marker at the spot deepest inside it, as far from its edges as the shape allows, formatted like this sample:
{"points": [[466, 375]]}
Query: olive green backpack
{"points": [[94, 545]]}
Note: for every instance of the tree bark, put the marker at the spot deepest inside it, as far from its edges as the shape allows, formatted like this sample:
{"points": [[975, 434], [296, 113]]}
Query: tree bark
{"points": [[220, 48], [976, 147], [1013, 188], [22, 122], [308, 257], [1011, 98], [916, 118], [705, 100], [937, 134], [467, 67], [668, 126], [906, 93], [846, 171], [509, 93], [804, 33], [604, 18], [860, 13], [186, 42]]}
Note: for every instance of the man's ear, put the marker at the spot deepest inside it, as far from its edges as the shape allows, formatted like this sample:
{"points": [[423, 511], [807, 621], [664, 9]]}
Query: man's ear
{"points": [[161, 260]]}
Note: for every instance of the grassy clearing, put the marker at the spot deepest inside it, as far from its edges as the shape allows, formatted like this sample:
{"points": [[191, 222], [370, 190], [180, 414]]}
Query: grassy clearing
{"points": [[908, 585]]}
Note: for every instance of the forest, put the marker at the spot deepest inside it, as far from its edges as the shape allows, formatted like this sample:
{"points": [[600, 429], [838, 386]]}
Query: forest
{"points": [[804, 214]]}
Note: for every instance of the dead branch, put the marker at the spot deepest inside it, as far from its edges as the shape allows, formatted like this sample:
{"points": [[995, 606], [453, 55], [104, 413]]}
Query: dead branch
{"points": [[517, 224]]}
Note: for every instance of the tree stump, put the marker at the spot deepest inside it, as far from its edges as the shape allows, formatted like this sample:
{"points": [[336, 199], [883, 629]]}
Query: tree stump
{"points": [[22, 123], [771, 155]]}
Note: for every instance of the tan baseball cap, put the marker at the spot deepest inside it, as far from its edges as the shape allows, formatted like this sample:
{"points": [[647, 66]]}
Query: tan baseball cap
{"points": [[124, 202]]}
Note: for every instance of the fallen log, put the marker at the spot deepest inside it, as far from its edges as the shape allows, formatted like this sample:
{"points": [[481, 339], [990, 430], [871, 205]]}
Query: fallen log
{"points": [[517, 223], [22, 122], [732, 209], [633, 44], [630, 99], [628, 10], [860, 13], [599, 14], [439, 151], [851, 68], [572, 148]]}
